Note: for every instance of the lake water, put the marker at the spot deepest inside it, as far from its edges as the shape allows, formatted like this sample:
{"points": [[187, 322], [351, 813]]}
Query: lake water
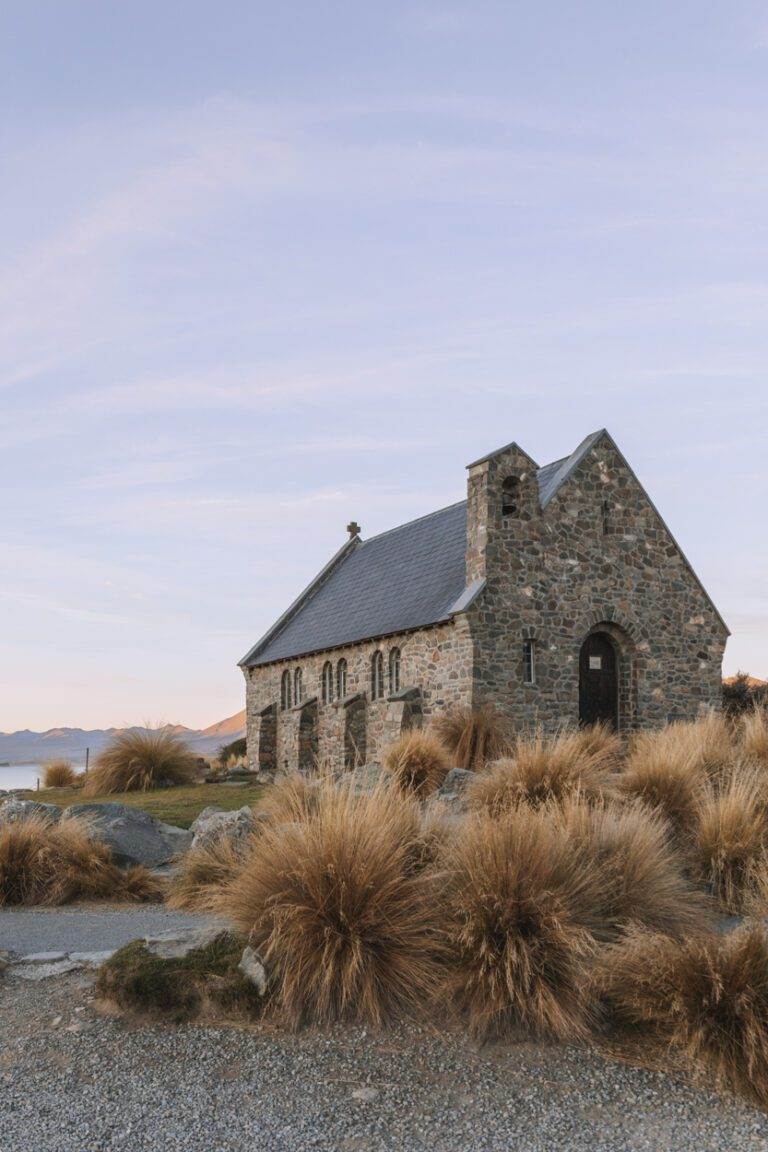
{"points": [[20, 776]]}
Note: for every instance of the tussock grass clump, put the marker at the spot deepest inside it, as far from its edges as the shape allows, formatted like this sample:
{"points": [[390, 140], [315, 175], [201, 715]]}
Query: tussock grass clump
{"points": [[292, 797], [180, 988], [59, 774], [337, 905], [522, 911], [728, 850], [642, 879], [664, 780], [753, 737], [203, 873], [419, 762], [45, 863], [137, 760], [545, 769], [474, 736], [709, 996]]}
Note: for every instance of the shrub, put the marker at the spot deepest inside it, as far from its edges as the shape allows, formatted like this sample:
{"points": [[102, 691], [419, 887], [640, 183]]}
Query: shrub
{"points": [[522, 910], [137, 760], [642, 878], [335, 903], [729, 840], [179, 988], [709, 996], [236, 750], [543, 769], [45, 863], [743, 693], [59, 774], [419, 762], [203, 872], [474, 736]]}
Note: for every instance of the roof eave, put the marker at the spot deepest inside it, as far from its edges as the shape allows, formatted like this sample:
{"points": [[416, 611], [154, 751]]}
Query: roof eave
{"points": [[348, 546]]}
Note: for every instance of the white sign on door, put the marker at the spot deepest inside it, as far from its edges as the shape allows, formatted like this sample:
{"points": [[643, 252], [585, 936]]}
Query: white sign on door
{"points": [[595, 663]]}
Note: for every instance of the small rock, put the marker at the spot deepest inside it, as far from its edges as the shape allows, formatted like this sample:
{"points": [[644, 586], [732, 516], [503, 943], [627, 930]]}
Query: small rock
{"points": [[43, 958], [14, 810], [56, 1021], [253, 969], [42, 971], [175, 945], [365, 1095], [91, 960], [213, 824]]}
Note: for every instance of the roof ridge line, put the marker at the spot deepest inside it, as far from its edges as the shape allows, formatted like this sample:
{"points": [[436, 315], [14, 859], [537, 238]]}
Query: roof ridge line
{"points": [[407, 523]]}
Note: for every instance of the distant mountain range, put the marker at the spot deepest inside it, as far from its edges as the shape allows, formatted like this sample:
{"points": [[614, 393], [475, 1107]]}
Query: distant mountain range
{"points": [[28, 747]]}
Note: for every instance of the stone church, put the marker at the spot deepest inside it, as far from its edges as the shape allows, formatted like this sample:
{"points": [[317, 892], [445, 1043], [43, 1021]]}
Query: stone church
{"points": [[555, 593]]}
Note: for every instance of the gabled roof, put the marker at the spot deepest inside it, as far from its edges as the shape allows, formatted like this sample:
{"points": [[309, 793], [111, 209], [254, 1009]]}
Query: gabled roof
{"points": [[407, 578]]}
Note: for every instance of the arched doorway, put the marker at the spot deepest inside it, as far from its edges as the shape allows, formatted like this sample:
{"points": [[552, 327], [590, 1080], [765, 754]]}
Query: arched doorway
{"points": [[599, 681]]}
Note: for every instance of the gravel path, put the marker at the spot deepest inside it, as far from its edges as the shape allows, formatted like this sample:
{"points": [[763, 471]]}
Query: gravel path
{"points": [[85, 928], [74, 1081]]}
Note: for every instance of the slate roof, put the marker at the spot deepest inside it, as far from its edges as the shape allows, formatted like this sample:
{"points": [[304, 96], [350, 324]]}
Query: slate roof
{"points": [[409, 577], [406, 578]]}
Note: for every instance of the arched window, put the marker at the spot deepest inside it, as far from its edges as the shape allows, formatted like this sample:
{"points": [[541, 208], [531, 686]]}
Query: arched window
{"points": [[285, 691], [394, 671], [377, 676], [341, 679], [327, 682], [297, 692], [510, 495]]}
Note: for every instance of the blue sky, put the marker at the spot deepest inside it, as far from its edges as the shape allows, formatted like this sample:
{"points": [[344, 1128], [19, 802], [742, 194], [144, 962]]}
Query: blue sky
{"points": [[265, 268]]}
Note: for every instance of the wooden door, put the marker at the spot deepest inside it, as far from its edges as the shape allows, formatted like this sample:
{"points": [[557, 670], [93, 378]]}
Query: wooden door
{"points": [[598, 681]]}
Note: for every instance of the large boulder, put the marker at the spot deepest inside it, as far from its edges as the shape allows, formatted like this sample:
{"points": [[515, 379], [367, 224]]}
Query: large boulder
{"points": [[133, 836], [215, 824], [14, 810]]}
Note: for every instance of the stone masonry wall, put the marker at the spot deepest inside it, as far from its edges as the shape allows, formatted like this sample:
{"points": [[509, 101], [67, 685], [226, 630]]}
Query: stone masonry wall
{"points": [[597, 554], [437, 660]]}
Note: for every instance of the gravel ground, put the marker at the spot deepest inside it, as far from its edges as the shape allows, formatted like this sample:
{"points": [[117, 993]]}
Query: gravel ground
{"points": [[72, 1080], [85, 928]]}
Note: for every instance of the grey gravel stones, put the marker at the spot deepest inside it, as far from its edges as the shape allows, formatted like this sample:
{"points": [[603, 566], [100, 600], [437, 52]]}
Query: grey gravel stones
{"points": [[133, 836], [94, 1083]]}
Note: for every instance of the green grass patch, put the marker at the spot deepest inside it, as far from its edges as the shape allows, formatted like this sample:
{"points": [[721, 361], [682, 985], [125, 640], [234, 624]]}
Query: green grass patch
{"points": [[178, 806], [181, 988]]}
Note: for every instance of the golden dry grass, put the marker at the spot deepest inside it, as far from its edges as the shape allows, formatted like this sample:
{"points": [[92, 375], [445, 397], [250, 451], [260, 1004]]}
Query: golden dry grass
{"points": [[522, 909], [419, 762], [138, 760], [544, 769], [202, 874], [474, 736], [59, 774], [642, 878], [729, 840], [336, 903], [709, 996], [753, 736], [44, 863]]}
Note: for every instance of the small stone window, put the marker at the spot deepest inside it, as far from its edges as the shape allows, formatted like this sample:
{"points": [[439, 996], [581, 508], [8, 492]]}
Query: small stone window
{"points": [[341, 679], [529, 662], [606, 519], [327, 682], [510, 496], [298, 694], [285, 691], [394, 671], [377, 676]]}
